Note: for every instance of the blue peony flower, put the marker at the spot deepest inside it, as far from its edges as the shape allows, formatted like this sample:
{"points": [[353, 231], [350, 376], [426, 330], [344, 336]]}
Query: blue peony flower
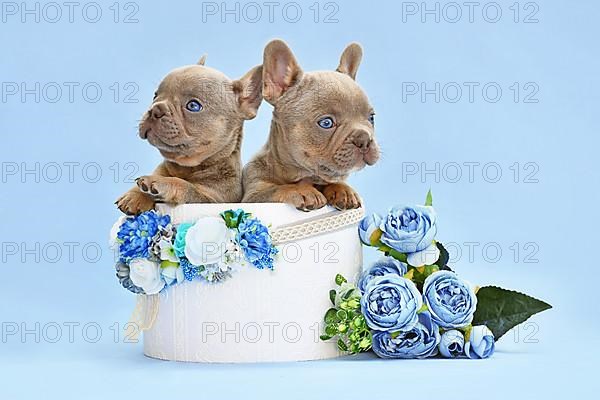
{"points": [[256, 244], [481, 342], [385, 265], [390, 303], [179, 244], [367, 227], [136, 233], [409, 229], [452, 344], [450, 300], [420, 341]]}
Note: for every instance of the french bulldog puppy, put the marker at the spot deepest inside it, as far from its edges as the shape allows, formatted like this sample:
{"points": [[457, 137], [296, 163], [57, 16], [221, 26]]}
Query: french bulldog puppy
{"points": [[195, 121], [322, 130]]}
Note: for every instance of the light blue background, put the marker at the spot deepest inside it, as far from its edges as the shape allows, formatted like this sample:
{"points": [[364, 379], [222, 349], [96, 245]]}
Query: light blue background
{"points": [[559, 134]]}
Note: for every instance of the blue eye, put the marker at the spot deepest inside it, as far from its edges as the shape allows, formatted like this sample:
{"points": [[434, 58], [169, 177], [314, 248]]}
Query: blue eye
{"points": [[326, 123], [193, 106], [372, 119]]}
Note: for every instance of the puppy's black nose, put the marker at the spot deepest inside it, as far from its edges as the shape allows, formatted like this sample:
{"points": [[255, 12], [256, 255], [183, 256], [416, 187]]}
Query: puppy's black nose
{"points": [[362, 140], [158, 110]]}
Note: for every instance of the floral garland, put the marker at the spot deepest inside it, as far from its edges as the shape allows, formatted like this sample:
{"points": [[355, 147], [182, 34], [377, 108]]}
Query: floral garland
{"points": [[154, 254], [410, 304]]}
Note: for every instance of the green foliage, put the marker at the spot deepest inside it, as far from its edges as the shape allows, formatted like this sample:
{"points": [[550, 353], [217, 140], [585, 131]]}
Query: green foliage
{"points": [[501, 309], [345, 321]]}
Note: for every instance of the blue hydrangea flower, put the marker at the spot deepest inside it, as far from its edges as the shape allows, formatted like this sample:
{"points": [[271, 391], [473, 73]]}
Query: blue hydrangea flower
{"points": [[136, 233], [420, 341], [190, 271], [256, 244]]}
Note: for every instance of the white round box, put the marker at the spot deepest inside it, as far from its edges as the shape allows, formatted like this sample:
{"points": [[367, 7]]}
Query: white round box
{"points": [[257, 315]]}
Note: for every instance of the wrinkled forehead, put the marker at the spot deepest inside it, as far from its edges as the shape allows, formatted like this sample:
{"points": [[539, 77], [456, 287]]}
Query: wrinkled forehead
{"points": [[336, 91], [195, 79]]}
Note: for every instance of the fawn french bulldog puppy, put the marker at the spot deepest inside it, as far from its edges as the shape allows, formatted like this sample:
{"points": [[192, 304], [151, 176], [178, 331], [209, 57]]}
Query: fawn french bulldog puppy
{"points": [[195, 121], [322, 130]]}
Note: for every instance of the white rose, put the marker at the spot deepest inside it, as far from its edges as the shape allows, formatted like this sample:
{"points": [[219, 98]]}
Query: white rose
{"points": [[112, 240], [427, 256], [206, 241], [146, 274]]}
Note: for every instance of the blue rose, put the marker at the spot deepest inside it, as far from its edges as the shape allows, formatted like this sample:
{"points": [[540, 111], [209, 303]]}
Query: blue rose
{"points": [[481, 342], [385, 265], [450, 300], [390, 303], [420, 341], [367, 227], [136, 233], [256, 244], [409, 229], [452, 344]]}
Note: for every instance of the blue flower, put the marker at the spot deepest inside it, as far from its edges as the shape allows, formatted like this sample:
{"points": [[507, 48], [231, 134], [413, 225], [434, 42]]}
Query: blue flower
{"points": [[420, 341], [452, 344], [179, 244], [481, 342], [367, 227], [136, 233], [409, 229], [390, 303], [190, 271], [385, 265], [450, 300], [255, 241]]}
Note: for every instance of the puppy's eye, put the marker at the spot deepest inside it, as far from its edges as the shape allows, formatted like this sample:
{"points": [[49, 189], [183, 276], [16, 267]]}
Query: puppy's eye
{"points": [[326, 123], [372, 119], [193, 106]]}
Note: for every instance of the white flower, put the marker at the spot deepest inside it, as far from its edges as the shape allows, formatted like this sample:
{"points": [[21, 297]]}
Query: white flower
{"points": [[112, 240], [206, 241], [427, 256], [172, 274], [166, 251], [147, 275]]}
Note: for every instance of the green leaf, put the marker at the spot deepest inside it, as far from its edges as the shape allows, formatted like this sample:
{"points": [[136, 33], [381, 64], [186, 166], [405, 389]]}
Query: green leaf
{"points": [[325, 337], [341, 345], [429, 199], [501, 309], [443, 258], [331, 330], [339, 279], [332, 296], [331, 316]]}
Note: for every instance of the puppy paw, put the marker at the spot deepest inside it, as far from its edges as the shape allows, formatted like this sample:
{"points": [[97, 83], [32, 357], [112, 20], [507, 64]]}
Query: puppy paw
{"points": [[156, 187], [341, 196], [134, 202], [304, 198]]}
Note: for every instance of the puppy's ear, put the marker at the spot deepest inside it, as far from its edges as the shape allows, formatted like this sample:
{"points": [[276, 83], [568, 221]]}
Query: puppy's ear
{"points": [[202, 60], [248, 92], [280, 70], [350, 60]]}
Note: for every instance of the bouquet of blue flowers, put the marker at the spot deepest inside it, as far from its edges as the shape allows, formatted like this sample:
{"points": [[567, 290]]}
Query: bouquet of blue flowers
{"points": [[410, 304]]}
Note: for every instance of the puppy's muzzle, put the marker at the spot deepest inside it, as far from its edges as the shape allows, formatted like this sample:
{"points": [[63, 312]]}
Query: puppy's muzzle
{"points": [[155, 113], [363, 141]]}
